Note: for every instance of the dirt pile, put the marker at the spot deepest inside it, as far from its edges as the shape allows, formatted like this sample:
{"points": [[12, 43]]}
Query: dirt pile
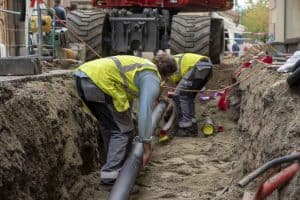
{"points": [[56, 64], [48, 144], [269, 123]]}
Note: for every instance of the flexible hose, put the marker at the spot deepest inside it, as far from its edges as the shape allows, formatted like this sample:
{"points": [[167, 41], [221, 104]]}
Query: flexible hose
{"points": [[126, 178], [285, 159], [277, 181]]}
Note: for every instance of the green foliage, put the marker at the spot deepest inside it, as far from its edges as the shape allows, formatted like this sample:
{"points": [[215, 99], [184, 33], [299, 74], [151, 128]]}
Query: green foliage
{"points": [[261, 2], [256, 17]]}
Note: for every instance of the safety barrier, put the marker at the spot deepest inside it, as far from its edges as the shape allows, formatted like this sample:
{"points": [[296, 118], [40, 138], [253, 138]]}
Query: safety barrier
{"points": [[244, 40], [27, 41]]}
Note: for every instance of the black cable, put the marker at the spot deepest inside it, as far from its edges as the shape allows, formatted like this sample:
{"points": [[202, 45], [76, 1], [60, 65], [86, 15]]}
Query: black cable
{"points": [[23, 11], [285, 159]]}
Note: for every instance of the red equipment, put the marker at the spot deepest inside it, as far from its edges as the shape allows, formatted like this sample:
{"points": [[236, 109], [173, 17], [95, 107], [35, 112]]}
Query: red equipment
{"points": [[33, 2], [223, 103], [182, 4], [133, 26]]}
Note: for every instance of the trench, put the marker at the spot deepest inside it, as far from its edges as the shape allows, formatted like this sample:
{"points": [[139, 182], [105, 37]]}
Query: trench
{"points": [[50, 147]]}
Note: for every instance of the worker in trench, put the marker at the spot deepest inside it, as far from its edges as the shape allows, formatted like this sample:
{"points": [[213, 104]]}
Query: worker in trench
{"points": [[193, 73], [60, 13], [108, 86]]}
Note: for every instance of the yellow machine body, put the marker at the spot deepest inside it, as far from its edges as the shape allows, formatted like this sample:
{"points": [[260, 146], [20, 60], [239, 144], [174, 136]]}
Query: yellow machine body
{"points": [[46, 22]]}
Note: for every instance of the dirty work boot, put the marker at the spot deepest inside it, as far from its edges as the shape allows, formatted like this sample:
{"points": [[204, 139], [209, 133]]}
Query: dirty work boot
{"points": [[194, 128], [107, 181], [106, 184], [188, 131], [104, 188], [184, 132]]}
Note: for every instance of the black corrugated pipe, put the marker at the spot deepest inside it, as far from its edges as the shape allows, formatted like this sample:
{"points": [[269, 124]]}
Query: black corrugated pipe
{"points": [[125, 181], [273, 163], [126, 178]]}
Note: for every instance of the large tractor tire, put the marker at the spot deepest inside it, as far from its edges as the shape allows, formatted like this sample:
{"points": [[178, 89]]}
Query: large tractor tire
{"points": [[216, 46], [190, 34], [91, 27]]}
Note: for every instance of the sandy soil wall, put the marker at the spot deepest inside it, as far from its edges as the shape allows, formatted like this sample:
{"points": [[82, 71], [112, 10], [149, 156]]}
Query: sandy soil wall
{"points": [[269, 122], [47, 142]]}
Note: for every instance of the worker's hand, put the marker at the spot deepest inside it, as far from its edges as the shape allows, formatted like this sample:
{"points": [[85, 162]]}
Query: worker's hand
{"points": [[147, 153]]}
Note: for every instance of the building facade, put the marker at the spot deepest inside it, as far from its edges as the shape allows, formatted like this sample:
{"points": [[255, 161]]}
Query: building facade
{"points": [[284, 27], [11, 29]]}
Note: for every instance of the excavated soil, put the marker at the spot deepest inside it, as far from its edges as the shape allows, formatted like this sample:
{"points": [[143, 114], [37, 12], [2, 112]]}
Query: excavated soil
{"points": [[199, 167], [50, 147], [269, 123]]}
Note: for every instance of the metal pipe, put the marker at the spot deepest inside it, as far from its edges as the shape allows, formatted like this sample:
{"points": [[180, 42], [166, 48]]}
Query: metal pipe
{"points": [[27, 27], [40, 31], [285, 159], [126, 178], [52, 10], [10, 11], [132, 19]]}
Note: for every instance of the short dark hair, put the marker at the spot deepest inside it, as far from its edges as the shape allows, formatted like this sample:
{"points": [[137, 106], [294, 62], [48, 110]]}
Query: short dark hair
{"points": [[73, 6], [166, 64], [57, 1]]}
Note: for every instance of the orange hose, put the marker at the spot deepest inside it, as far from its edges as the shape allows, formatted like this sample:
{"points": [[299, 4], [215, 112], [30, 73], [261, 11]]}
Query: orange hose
{"points": [[277, 181]]}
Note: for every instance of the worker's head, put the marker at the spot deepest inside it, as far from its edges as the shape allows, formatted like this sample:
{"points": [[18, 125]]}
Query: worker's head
{"points": [[166, 64], [73, 7], [57, 2]]}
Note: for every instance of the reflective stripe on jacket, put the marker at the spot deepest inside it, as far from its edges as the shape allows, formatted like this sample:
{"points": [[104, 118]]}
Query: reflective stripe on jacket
{"points": [[115, 76], [185, 62]]}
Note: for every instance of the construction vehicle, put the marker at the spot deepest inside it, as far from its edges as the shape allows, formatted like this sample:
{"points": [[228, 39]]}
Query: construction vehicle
{"points": [[132, 26]]}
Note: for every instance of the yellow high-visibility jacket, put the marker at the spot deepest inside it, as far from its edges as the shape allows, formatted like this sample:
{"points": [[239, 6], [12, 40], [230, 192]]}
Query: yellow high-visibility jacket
{"points": [[115, 77], [185, 62]]}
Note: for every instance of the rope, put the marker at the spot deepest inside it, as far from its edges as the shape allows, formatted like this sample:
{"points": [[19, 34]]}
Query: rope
{"points": [[277, 51], [227, 69]]}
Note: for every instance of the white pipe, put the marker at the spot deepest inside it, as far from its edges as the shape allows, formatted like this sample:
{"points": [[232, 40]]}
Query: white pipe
{"points": [[10, 11], [2, 51], [27, 28]]}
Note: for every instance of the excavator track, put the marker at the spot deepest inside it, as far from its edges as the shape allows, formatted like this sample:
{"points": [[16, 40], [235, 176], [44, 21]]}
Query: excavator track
{"points": [[92, 27]]}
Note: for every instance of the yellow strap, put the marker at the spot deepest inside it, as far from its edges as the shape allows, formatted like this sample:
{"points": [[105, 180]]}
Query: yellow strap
{"points": [[127, 68], [180, 57], [122, 74]]}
